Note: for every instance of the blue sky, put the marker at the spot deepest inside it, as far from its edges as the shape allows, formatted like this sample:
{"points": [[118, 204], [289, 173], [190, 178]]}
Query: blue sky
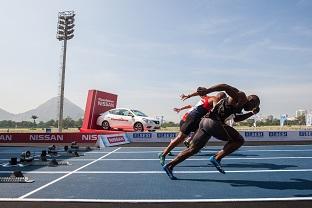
{"points": [[150, 52]]}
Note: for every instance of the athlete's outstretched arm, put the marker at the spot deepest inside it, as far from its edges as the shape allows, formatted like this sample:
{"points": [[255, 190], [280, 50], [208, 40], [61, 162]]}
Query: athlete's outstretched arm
{"points": [[231, 91], [182, 108], [242, 117], [184, 97]]}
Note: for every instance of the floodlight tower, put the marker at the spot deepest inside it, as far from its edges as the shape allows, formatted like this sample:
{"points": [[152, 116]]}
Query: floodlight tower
{"points": [[65, 31]]}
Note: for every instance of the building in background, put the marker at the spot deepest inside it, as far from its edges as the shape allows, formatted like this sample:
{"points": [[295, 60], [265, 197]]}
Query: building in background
{"points": [[309, 118], [283, 118], [301, 112], [269, 118]]}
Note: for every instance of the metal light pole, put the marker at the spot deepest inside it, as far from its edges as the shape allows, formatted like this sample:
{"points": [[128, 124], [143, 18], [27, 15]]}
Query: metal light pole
{"points": [[65, 31]]}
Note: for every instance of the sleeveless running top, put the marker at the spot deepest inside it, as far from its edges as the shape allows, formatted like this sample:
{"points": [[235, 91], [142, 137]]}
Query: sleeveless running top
{"points": [[201, 108], [223, 111]]}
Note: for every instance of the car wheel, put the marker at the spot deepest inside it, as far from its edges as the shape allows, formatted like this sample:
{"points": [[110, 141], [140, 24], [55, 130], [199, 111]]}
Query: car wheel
{"points": [[138, 127], [105, 125]]}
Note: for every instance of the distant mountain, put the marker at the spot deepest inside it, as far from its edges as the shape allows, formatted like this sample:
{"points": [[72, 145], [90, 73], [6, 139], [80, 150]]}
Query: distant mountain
{"points": [[46, 112], [4, 115]]}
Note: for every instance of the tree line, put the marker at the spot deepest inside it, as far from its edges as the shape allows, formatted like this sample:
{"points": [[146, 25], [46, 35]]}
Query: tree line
{"points": [[67, 123], [301, 120]]}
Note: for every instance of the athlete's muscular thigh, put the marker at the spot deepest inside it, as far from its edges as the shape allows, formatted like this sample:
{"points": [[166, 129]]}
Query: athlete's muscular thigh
{"points": [[225, 133]]}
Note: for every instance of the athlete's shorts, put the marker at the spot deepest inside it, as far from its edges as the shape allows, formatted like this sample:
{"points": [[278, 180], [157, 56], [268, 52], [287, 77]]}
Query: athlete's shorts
{"points": [[181, 123], [191, 124], [217, 129]]}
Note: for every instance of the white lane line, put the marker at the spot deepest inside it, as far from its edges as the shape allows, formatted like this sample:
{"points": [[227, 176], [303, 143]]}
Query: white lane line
{"points": [[190, 159], [38, 172], [207, 151], [179, 150], [155, 200], [252, 146], [191, 172], [60, 152], [159, 172], [68, 174], [277, 150], [205, 159]]}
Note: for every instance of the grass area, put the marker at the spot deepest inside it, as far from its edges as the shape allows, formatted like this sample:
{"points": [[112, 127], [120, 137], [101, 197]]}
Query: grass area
{"points": [[36, 130], [260, 128]]}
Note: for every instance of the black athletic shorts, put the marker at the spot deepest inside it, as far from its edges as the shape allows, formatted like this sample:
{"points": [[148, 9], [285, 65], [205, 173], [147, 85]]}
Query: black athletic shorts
{"points": [[191, 124], [217, 129], [181, 123]]}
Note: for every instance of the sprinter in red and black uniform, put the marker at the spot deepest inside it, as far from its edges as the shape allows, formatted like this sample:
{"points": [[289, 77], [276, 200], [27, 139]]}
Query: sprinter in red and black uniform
{"points": [[192, 122], [214, 124]]}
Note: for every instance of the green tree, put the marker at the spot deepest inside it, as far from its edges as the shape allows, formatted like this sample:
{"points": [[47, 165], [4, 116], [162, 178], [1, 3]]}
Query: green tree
{"points": [[68, 123], [301, 120], [34, 117], [169, 124], [51, 123]]}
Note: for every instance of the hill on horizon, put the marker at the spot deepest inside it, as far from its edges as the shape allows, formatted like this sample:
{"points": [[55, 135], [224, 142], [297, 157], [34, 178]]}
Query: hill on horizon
{"points": [[45, 112]]}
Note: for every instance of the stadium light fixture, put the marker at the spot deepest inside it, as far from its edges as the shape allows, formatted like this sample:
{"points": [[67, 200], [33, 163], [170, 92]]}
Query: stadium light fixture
{"points": [[65, 32]]}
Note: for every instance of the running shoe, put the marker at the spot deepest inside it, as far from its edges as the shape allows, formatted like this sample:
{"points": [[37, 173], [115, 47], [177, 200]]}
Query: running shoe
{"points": [[169, 172], [186, 143], [162, 158], [217, 164], [170, 154]]}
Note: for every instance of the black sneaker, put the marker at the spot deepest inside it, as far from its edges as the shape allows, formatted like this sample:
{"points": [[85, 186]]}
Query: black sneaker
{"points": [[169, 172]]}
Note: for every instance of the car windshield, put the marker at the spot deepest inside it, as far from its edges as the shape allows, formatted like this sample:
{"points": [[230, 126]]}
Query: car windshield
{"points": [[138, 113]]}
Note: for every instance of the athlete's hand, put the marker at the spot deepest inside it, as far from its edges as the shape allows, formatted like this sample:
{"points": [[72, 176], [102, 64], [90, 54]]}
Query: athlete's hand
{"points": [[177, 110], [255, 110], [201, 91], [184, 97]]}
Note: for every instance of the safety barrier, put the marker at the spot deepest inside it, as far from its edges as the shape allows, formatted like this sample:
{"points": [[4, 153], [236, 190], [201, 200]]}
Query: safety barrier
{"points": [[114, 138], [303, 135]]}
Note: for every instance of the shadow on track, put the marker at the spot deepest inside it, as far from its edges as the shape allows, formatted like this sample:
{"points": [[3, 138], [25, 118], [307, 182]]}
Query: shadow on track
{"points": [[295, 183], [269, 166]]}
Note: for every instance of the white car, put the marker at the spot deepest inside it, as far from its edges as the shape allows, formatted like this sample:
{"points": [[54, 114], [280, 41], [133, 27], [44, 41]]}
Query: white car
{"points": [[127, 119]]}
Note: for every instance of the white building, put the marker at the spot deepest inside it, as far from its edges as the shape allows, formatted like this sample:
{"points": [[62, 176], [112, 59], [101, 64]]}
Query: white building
{"points": [[309, 119], [300, 113]]}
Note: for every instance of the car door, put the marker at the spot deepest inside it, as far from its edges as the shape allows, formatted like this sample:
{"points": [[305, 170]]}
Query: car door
{"points": [[125, 119], [113, 118]]}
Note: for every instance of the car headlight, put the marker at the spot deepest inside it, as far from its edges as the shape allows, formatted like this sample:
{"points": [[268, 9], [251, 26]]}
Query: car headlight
{"points": [[147, 121]]}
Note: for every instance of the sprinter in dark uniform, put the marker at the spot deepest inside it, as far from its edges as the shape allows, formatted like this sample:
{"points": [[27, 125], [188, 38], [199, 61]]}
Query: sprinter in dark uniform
{"points": [[191, 122], [214, 124]]}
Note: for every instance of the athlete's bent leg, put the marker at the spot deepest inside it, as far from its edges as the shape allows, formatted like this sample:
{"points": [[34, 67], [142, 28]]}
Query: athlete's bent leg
{"points": [[234, 141], [229, 147], [175, 142], [199, 140]]}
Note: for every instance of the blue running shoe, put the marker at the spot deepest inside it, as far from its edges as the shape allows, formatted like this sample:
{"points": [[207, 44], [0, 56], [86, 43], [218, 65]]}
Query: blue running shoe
{"points": [[162, 158], [169, 172], [216, 163]]}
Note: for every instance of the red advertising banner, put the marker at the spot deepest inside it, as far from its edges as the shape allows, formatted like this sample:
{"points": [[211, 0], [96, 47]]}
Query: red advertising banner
{"points": [[97, 102], [31, 138]]}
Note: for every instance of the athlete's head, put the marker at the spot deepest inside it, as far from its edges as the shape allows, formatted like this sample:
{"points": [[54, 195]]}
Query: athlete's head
{"points": [[252, 103]]}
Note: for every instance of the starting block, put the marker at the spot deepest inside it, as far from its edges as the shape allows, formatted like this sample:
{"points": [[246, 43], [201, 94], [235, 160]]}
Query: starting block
{"points": [[12, 163], [26, 157], [52, 163], [16, 177], [75, 147], [52, 150]]}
